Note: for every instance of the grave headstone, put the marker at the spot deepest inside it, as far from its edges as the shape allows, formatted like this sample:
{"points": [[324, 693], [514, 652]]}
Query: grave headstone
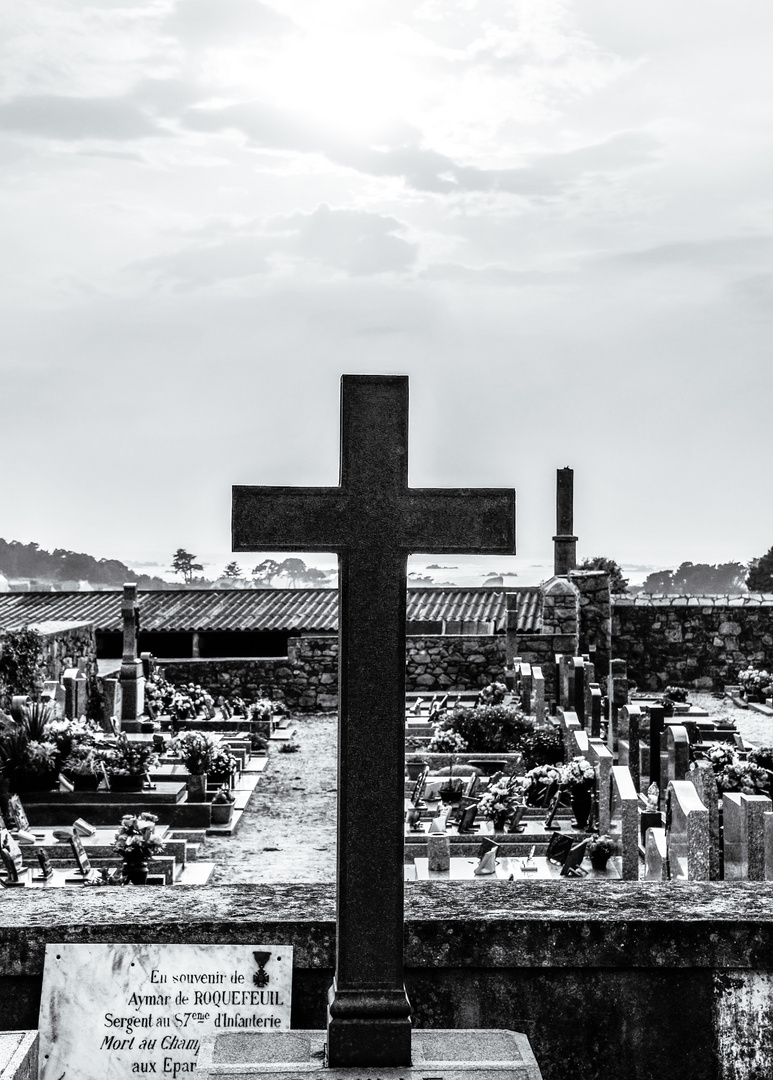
{"points": [[678, 750], [75, 693], [54, 693], [704, 780], [629, 721], [655, 855], [526, 687], [148, 665], [131, 678], [652, 766], [601, 758], [593, 710], [624, 820], [744, 835], [372, 520], [767, 824], [687, 833], [617, 693], [578, 687], [538, 694]]}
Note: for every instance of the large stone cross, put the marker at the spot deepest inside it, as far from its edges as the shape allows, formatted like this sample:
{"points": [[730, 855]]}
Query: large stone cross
{"points": [[372, 520]]}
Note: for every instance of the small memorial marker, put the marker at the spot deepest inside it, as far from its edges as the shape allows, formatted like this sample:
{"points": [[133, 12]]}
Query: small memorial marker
{"points": [[151, 1005]]}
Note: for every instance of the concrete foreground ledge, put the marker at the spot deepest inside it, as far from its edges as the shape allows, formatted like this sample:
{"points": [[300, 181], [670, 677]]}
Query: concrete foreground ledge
{"points": [[438, 1054], [18, 1055]]}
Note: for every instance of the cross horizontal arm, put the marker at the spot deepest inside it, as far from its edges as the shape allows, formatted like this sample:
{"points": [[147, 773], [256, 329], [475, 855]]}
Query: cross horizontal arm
{"points": [[439, 521], [288, 518]]}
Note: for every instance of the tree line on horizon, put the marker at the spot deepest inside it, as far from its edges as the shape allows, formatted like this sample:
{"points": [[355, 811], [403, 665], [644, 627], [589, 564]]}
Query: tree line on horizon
{"points": [[693, 578]]}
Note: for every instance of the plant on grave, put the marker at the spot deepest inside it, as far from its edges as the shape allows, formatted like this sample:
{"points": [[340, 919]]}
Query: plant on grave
{"points": [[128, 758], [719, 755], [28, 758], [493, 694], [602, 846], [445, 741], [258, 743], [762, 756], [754, 680], [135, 841], [538, 781], [677, 694], [71, 736], [223, 764], [289, 747], [577, 773], [502, 796], [542, 747], [83, 761], [743, 776], [197, 751], [490, 729], [223, 797], [261, 710]]}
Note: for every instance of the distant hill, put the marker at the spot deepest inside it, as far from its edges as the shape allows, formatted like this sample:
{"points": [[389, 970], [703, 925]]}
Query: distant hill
{"points": [[65, 569]]}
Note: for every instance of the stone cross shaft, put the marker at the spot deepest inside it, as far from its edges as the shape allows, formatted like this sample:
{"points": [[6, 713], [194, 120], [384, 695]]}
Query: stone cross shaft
{"points": [[372, 520]]}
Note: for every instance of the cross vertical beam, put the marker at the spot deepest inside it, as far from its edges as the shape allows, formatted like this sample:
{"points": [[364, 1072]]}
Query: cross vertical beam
{"points": [[373, 520]]}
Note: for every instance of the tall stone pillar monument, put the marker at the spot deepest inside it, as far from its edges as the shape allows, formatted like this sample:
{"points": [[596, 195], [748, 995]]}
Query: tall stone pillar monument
{"points": [[132, 679], [565, 543]]}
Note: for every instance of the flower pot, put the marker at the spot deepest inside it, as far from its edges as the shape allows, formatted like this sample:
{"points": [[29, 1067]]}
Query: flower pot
{"points": [[197, 787], [83, 781], [500, 821], [135, 873], [582, 799], [222, 813], [147, 727], [415, 769], [122, 782], [599, 860]]}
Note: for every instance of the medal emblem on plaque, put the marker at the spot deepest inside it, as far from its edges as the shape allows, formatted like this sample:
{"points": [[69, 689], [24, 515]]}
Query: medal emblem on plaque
{"points": [[261, 976]]}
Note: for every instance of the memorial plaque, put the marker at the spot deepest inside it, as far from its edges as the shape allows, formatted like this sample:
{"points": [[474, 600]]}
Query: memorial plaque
{"points": [[150, 1006]]}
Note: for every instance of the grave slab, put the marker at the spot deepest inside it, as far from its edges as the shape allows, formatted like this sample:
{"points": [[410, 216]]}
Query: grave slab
{"points": [[18, 1055], [440, 1053]]}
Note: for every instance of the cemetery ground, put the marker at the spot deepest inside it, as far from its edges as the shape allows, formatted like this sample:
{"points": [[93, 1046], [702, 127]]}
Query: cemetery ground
{"points": [[288, 832]]}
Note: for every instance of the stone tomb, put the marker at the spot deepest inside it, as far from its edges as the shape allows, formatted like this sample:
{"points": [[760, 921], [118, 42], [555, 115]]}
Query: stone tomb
{"points": [[624, 820], [704, 780]]}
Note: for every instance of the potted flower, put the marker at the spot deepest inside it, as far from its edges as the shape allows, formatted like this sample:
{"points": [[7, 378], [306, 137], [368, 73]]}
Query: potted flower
{"points": [[223, 766], [83, 768], [578, 777], [197, 751], [29, 759], [755, 683], [415, 766], [127, 763], [542, 782], [222, 806], [135, 842], [600, 849], [500, 799]]}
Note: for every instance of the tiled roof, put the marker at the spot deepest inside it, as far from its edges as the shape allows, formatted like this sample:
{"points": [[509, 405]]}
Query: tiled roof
{"points": [[255, 609]]}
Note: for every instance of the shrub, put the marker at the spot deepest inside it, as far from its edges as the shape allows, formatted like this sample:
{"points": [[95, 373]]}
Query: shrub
{"points": [[490, 729], [543, 747]]}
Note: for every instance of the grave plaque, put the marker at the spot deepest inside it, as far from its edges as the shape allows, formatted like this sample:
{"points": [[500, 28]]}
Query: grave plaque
{"points": [[151, 1005]]}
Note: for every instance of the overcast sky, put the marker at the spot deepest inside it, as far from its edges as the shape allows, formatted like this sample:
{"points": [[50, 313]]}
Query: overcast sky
{"points": [[555, 217]]}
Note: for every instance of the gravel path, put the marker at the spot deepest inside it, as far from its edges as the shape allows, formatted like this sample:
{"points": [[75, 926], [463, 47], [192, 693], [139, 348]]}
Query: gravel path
{"points": [[288, 830]]}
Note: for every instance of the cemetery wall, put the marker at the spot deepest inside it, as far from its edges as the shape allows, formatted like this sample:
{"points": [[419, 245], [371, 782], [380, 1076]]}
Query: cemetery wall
{"points": [[698, 641], [307, 678], [608, 979]]}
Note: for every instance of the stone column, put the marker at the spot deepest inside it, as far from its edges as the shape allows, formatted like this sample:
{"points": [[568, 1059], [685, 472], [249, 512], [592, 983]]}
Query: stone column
{"points": [[565, 544], [132, 679]]}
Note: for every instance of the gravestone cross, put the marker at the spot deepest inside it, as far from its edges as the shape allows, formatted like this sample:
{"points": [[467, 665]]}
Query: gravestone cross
{"points": [[131, 677], [372, 520]]}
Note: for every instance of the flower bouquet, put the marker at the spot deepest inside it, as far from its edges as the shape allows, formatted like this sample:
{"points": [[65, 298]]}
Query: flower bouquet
{"points": [[755, 683], [577, 773], [542, 781], [135, 842], [127, 763], [222, 766], [500, 799], [446, 741]]}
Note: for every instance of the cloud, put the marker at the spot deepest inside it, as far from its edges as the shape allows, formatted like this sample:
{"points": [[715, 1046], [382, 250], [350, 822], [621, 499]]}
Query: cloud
{"points": [[208, 24], [354, 242], [421, 168], [75, 118], [720, 252], [483, 275]]}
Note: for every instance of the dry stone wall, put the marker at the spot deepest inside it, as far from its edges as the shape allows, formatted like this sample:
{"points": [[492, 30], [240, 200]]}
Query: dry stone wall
{"points": [[697, 641], [307, 678]]}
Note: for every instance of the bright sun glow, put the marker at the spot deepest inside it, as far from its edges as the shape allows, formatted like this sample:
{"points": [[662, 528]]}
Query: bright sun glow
{"points": [[350, 84]]}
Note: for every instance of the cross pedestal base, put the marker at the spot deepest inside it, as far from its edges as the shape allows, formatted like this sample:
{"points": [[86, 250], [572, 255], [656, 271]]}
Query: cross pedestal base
{"points": [[376, 1024], [444, 1054], [132, 690]]}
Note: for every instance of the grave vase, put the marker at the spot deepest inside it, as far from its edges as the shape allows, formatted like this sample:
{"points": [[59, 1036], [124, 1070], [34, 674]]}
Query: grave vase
{"points": [[582, 799], [499, 821], [135, 873], [599, 860], [197, 787]]}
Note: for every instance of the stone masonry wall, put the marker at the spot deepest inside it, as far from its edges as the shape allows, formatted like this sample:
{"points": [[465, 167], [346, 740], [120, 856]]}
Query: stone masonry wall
{"points": [[63, 648], [307, 678], [453, 663], [609, 979], [697, 641], [595, 613]]}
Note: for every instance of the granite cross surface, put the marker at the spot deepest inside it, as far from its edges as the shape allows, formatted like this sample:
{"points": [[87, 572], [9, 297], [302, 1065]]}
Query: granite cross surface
{"points": [[372, 520]]}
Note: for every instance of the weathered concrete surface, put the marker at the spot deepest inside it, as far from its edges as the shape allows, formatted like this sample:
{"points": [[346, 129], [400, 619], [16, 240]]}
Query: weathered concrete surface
{"points": [[565, 962]]}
